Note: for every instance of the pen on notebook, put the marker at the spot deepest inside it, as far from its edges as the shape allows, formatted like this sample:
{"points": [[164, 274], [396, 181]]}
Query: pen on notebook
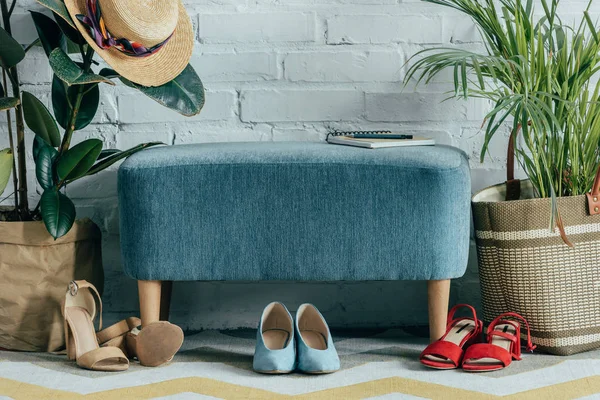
{"points": [[379, 136]]}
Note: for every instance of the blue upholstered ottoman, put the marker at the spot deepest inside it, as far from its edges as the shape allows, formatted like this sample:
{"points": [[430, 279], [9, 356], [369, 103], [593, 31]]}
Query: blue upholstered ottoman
{"points": [[294, 212]]}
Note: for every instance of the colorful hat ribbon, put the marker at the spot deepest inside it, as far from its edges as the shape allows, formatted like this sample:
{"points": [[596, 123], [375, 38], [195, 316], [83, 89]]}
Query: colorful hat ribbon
{"points": [[97, 30]]}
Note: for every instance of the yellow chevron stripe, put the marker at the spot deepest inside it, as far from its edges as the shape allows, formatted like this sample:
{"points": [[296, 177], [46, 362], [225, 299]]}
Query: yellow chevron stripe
{"points": [[210, 387], [567, 390], [385, 386]]}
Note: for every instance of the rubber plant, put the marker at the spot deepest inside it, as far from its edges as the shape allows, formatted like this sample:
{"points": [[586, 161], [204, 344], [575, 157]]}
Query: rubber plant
{"points": [[541, 76], [11, 54], [75, 95]]}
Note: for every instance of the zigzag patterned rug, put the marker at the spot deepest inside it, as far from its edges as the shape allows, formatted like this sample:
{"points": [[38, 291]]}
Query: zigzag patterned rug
{"points": [[375, 365]]}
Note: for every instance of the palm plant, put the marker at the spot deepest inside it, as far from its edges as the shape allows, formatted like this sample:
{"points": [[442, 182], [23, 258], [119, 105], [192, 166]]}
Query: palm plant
{"points": [[538, 73], [75, 100]]}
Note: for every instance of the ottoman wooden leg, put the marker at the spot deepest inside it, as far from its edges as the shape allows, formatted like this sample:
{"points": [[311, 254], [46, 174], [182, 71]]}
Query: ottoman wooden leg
{"points": [[438, 296], [165, 299], [149, 293]]}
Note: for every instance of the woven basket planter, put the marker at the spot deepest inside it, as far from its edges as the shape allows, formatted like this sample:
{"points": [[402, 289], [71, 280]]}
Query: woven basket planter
{"points": [[527, 269]]}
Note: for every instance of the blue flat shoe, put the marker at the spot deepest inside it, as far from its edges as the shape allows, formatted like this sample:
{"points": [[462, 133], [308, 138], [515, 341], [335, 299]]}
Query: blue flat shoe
{"points": [[316, 352], [275, 351]]}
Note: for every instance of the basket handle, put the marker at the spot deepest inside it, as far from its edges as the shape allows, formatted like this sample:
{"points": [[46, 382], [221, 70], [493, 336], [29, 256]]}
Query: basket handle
{"points": [[594, 196], [513, 186]]}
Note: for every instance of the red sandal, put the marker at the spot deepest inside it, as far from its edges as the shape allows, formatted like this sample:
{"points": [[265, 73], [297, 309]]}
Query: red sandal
{"points": [[504, 345], [447, 352]]}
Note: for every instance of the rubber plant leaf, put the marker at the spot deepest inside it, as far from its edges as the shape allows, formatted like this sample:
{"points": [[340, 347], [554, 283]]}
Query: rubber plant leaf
{"points": [[38, 143], [44, 163], [109, 73], [63, 98], [107, 153], [8, 103], [119, 155], [76, 161], [184, 94], [71, 73], [11, 52], [58, 212], [39, 119], [73, 48], [59, 8], [48, 31], [6, 163], [70, 32]]}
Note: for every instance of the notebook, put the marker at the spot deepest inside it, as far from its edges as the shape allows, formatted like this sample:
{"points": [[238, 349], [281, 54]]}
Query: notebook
{"points": [[377, 139]]}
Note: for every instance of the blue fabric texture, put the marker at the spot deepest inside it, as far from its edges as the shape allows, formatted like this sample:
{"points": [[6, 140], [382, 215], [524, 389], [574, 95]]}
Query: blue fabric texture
{"points": [[294, 211], [312, 360], [269, 361]]}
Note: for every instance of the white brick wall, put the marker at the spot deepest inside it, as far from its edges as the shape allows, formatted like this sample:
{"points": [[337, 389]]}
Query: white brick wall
{"points": [[268, 27], [290, 105], [384, 29], [343, 66], [287, 70]]}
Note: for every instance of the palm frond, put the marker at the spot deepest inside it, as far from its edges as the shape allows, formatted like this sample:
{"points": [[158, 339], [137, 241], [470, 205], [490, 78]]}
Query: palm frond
{"points": [[538, 73]]}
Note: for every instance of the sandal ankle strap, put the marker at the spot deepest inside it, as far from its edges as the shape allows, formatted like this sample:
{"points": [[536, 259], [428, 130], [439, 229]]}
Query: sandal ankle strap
{"points": [[73, 290], [490, 331], [451, 320]]}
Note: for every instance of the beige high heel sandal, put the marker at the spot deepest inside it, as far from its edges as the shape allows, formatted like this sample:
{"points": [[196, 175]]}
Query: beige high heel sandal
{"points": [[79, 312], [153, 346], [114, 335]]}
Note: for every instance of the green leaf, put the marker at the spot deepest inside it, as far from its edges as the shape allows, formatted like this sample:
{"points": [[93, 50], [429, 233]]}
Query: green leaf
{"points": [[48, 31], [58, 212], [464, 82], [71, 73], [11, 52], [184, 94], [588, 19], [107, 152], [70, 32], [31, 45], [76, 161], [39, 120], [38, 143], [6, 163], [117, 156], [59, 8], [8, 102], [64, 67], [109, 73], [73, 48], [44, 163], [63, 98]]}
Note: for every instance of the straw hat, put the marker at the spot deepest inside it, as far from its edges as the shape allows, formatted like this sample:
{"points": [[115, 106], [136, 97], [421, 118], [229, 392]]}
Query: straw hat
{"points": [[160, 28]]}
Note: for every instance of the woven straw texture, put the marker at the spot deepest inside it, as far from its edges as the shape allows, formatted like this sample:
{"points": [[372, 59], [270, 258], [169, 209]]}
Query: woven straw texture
{"points": [[140, 21], [148, 22], [526, 268]]}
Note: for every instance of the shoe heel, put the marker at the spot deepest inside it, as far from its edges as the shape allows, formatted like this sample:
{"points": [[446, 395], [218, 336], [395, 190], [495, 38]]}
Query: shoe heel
{"points": [[81, 339], [517, 346], [70, 342]]}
